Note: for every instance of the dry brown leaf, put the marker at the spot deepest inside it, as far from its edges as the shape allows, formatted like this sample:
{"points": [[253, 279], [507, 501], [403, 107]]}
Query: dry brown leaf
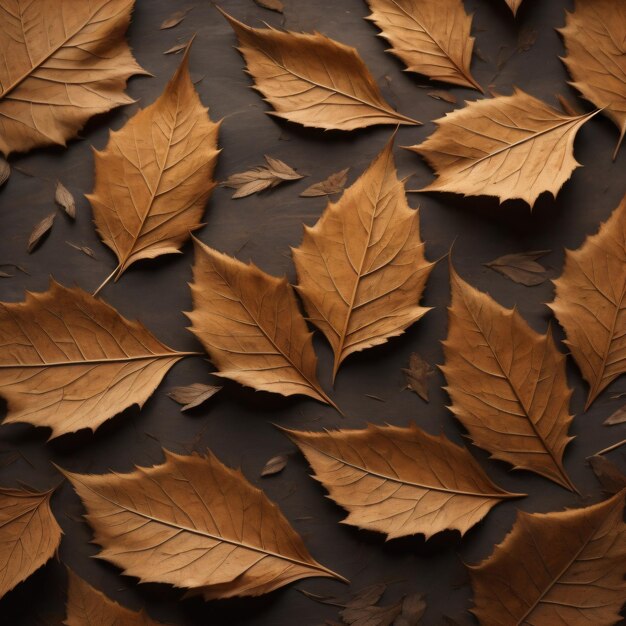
{"points": [[431, 37], [400, 481], [84, 249], [508, 147], [5, 170], [556, 569], [174, 19], [590, 305], [261, 177], [29, 535], [275, 465], [333, 184], [39, 232], [417, 375], [87, 606], [177, 48], [272, 5], [521, 267], [193, 395], [313, 80], [64, 198], [155, 175], [69, 361], [361, 268], [507, 383], [608, 474], [514, 5], [446, 96], [618, 417], [192, 522], [594, 39], [68, 62], [251, 327]]}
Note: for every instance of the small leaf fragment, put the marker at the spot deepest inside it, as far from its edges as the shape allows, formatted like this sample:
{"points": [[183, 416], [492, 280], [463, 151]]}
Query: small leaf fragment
{"points": [[333, 184], [40, 230], [417, 375], [521, 267], [275, 465], [272, 5], [618, 417], [192, 395], [261, 177], [5, 170], [177, 48], [440, 94], [608, 474], [84, 249], [174, 19], [64, 198]]}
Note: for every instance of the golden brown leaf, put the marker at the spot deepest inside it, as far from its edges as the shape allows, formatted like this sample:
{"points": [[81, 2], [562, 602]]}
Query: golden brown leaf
{"points": [[193, 395], [63, 62], [507, 383], [594, 39], [250, 324], [556, 569], [275, 465], [174, 19], [155, 175], [29, 535], [432, 37], [509, 147], [272, 5], [361, 268], [69, 361], [313, 80], [261, 177], [590, 304], [64, 198], [87, 606], [41, 229], [192, 522], [514, 5], [400, 481]]}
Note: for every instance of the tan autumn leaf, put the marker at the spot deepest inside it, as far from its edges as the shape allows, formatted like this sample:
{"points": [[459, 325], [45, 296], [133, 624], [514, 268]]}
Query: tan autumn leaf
{"points": [[361, 268], [194, 523], [29, 535], [507, 383], [155, 175], [70, 361], [589, 303], [431, 37], [250, 325], [313, 80], [261, 177], [87, 606], [556, 569], [41, 229], [400, 481], [64, 198], [596, 59], [508, 147], [514, 5], [65, 61], [193, 395]]}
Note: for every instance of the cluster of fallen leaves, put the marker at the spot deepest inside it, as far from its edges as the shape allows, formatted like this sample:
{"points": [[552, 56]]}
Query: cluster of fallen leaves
{"points": [[70, 361]]}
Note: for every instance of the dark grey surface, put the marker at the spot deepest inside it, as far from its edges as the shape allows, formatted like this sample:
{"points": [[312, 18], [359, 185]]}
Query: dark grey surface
{"points": [[236, 424]]}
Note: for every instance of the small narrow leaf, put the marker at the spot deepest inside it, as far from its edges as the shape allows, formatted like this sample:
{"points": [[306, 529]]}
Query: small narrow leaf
{"points": [[362, 269], [261, 177], [408, 481], [155, 175], [87, 606], [40, 230], [272, 5], [508, 147], [251, 327], [589, 303], [194, 523], [69, 361], [521, 267], [431, 37], [84, 249], [507, 383], [29, 535], [313, 80], [275, 465], [333, 184], [193, 395], [618, 417], [417, 375], [174, 19], [557, 568], [64, 198]]}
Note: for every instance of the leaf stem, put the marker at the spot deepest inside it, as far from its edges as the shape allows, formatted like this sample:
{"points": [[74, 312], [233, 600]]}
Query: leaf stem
{"points": [[611, 448], [106, 280]]}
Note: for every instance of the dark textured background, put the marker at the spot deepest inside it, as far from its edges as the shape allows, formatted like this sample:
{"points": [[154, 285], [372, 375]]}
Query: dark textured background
{"points": [[236, 424]]}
